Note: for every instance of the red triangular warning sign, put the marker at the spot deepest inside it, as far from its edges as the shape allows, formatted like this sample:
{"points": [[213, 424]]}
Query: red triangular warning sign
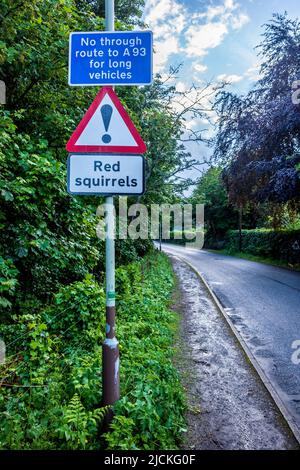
{"points": [[106, 127]]}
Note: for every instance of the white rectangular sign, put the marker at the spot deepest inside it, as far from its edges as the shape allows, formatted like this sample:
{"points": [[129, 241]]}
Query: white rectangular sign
{"points": [[91, 174]]}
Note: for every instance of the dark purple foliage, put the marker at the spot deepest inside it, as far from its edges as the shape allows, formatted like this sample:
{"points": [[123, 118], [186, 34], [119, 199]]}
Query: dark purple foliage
{"points": [[258, 137]]}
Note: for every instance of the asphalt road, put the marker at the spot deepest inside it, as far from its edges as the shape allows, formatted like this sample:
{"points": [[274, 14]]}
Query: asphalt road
{"points": [[263, 302]]}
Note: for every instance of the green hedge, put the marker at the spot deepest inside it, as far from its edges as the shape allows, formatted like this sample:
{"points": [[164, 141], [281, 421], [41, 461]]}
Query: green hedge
{"points": [[276, 244]]}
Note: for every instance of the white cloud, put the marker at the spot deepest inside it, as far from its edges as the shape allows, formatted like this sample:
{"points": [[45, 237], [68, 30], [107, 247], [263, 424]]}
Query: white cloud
{"points": [[181, 87], [166, 18], [209, 29], [204, 37], [178, 32], [188, 35], [230, 78], [157, 10], [165, 48], [252, 73], [237, 22], [200, 68], [219, 11]]}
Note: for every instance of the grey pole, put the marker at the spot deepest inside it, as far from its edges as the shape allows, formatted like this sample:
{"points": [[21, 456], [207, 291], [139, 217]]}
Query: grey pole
{"points": [[160, 230], [110, 351], [110, 15]]}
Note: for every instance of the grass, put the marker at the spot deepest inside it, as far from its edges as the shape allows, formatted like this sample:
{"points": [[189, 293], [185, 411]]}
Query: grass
{"points": [[259, 259]]}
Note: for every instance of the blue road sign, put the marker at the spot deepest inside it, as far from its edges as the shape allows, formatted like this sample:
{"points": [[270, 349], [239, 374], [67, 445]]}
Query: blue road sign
{"points": [[110, 58]]}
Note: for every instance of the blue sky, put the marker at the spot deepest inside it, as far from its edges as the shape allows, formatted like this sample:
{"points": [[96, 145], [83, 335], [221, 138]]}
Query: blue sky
{"points": [[213, 39]]}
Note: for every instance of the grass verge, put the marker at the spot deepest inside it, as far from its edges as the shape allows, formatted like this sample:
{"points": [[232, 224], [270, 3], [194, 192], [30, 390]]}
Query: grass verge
{"points": [[259, 259], [50, 387]]}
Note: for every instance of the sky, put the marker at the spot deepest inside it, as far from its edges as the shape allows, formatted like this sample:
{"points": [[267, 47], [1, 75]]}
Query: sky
{"points": [[214, 40]]}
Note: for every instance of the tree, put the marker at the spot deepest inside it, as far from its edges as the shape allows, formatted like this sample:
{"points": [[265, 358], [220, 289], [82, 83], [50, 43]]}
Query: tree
{"points": [[125, 10], [220, 216], [50, 237], [258, 134]]}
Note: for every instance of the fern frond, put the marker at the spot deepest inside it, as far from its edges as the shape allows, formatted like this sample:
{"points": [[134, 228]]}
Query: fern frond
{"points": [[99, 413], [75, 411]]}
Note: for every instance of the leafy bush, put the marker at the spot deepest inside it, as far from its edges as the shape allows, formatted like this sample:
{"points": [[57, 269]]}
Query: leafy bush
{"points": [[78, 309], [8, 282], [277, 244], [51, 381], [150, 413], [51, 262], [78, 424], [50, 237]]}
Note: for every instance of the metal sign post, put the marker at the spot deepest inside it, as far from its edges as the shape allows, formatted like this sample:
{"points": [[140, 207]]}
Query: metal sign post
{"points": [[105, 153], [110, 352]]}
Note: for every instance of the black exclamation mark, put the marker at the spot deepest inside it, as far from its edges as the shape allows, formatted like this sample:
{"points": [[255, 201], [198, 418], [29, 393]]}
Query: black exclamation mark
{"points": [[106, 112]]}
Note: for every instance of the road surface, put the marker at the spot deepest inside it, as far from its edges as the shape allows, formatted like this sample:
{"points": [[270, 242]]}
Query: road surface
{"points": [[228, 406], [263, 302]]}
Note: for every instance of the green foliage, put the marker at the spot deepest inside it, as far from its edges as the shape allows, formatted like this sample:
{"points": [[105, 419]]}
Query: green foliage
{"points": [[51, 261], [8, 282], [150, 413], [50, 237], [220, 216], [125, 10], [129, 250], [47, 236], [78, 309], [277, 244], [78, 424]]}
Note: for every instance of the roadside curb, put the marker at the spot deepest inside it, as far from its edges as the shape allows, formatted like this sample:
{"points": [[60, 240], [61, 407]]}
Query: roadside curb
{"points": [[250, 356]]}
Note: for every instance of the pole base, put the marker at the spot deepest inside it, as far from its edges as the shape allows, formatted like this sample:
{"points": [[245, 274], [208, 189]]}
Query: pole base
{"points": [[110, 371]]}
